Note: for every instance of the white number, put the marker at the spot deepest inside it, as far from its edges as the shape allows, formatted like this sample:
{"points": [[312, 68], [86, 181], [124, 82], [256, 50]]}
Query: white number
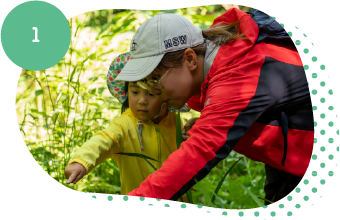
{"points": [[36, 34]]}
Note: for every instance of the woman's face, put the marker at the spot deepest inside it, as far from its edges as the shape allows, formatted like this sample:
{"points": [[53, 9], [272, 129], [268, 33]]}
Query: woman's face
{"points": [[177, 86], [144, 105], [180, 83]]}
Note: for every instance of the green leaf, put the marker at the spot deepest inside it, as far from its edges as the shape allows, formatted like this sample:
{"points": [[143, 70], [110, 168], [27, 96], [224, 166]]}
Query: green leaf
{"points": [[37, 112], [206, 18], [140, 156], [94, 104], [181, 198], [252, 195], [107, 52], [265, 199], [23, 132], [126, 21], [205, 195], [93, 79], [91, 56], [101, 90], [137, 155], [189, 196], [72, 74], [218, 199], [104, 28], [31, 116], [103, 76], [161, 135], [179, 138], [75, 88], [92, 91], [38, 92], [222, 180]]}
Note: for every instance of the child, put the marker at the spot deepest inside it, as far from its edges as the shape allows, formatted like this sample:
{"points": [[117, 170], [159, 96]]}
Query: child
{"points": [[132, 132]]}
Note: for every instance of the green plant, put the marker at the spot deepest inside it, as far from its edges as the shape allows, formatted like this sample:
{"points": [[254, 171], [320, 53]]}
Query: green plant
{"points": [[62, 107], [141, 156], [179, 140]]}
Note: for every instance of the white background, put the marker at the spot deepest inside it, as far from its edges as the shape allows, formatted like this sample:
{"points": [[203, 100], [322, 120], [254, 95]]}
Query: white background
{"points": [[28, 192]]}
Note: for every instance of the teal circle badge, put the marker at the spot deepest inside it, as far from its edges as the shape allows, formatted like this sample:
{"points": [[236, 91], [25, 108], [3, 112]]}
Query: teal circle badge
{"points": [[35, 35]]}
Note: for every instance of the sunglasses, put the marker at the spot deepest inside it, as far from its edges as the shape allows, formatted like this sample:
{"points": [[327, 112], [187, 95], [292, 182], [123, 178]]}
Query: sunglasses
{"points": [[145, 84]]}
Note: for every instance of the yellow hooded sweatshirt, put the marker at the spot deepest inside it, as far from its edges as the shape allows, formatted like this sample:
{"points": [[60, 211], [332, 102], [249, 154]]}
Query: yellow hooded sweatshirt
{"points": [[122, 136]]}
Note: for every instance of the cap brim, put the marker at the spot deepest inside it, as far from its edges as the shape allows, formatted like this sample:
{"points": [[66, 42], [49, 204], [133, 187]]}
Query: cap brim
{"points": [[139, 68]]}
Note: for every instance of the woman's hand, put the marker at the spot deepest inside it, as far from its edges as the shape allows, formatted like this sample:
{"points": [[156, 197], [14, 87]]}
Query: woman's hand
{"points": [[74, 172], [187, 127]]}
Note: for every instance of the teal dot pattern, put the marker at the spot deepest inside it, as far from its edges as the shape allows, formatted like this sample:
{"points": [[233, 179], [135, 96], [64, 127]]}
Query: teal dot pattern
{"points": [[324, 156]]}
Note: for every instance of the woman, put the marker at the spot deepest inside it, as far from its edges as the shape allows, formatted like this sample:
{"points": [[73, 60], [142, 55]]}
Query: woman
{"points": [[246, 78]]}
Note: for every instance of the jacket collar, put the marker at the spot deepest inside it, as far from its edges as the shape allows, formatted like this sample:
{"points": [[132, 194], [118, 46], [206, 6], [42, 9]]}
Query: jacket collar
{"points": [[209, 57]]}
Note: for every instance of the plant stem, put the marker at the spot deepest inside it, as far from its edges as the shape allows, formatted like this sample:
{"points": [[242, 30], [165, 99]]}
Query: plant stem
{"points": [[162, 137]]}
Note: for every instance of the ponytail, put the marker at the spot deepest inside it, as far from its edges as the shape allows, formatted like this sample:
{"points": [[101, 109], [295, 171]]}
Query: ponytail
{"points": [[222, 33]]}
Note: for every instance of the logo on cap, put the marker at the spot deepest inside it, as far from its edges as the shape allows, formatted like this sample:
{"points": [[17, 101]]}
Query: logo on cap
{"points": [[175, 41], [133, 45]]}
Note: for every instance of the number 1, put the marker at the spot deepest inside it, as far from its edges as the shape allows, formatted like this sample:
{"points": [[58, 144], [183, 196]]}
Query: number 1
{"points": [[36, 34]]}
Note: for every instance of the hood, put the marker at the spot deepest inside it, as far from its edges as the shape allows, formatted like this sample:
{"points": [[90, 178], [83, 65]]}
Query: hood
{"points": [[269, 28], [235, 49]]}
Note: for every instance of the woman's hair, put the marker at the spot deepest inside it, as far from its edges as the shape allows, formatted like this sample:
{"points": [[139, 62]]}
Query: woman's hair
{"points": [[125, 104], [219, 34]]}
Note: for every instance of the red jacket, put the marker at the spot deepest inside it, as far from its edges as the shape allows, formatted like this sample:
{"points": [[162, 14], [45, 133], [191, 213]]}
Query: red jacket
{"points": [[247, 87]]}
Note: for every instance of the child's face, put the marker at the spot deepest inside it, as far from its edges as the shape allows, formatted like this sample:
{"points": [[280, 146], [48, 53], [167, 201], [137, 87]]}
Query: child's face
{"points": [[143, 104]]}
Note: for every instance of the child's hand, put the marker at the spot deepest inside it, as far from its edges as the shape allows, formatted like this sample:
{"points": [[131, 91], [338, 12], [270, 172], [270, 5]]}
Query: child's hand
{"points": [[187, 127], [74, 172]]}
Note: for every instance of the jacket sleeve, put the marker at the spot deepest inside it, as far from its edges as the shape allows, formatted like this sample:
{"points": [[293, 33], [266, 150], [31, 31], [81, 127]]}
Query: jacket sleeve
{"points": [[100, 147], [232, 104]]}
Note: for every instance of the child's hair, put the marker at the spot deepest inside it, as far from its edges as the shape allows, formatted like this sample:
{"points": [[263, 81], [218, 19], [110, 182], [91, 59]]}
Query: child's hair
{"points": [[219, 34], [125, 104]]}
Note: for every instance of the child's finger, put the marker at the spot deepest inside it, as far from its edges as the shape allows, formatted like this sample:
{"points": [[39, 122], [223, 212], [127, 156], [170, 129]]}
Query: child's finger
{"points": [[184, 132], [189, 125], [71, 178], [79, 176], [187, 128], [185, 137]]}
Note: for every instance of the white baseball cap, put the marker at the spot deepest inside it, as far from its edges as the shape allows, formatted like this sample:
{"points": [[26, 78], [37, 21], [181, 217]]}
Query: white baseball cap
{"points": [[160, 34]]}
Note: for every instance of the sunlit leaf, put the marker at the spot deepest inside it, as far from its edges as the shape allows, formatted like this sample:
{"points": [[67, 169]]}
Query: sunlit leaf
{"points": [[252, 195], [37, 112], [94, 104], [72, 74], [38, 92]]}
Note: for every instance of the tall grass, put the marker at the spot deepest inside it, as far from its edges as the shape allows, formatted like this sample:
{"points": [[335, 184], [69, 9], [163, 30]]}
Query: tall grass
{"points": [[62, 107]]}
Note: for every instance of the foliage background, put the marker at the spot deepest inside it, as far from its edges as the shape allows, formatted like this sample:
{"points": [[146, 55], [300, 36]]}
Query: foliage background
{"points": [[60, 108]]}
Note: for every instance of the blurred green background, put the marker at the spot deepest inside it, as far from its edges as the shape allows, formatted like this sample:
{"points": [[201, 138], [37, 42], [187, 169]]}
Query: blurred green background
{"points": [[60, 108]]}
